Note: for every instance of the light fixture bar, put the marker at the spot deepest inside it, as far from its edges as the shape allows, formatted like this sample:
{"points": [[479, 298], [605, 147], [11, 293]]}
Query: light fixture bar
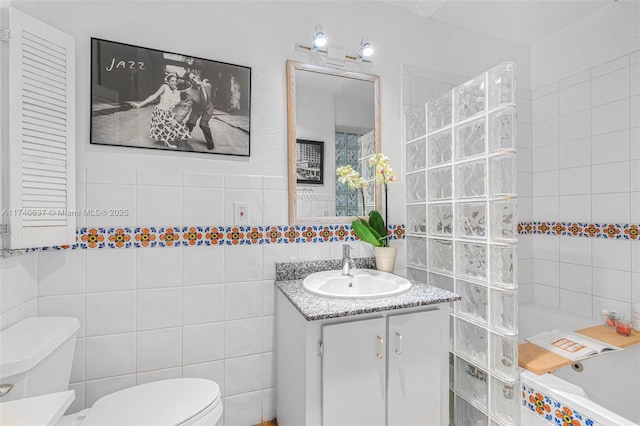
{"points": [[300, 47], [335, 55]]}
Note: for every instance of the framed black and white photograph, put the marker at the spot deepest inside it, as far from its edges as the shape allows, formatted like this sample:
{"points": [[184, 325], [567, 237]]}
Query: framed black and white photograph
{"points": [[309, 162], [147, 98]]}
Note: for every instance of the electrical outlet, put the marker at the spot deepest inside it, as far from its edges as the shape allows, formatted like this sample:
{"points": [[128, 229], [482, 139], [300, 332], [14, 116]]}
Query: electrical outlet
{"points": [[240, 213]]}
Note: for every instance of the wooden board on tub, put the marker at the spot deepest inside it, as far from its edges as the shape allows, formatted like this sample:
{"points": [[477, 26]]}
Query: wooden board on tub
{"points": [[541, 361]]}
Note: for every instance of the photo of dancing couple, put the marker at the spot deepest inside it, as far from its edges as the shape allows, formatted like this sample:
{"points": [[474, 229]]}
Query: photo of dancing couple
{"points": [[146, 98]]}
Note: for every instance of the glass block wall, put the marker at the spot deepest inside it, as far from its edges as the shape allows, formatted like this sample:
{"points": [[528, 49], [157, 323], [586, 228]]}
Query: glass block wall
{"points": [[354, 150], [461, 235], [368, 150], [347, 153]]}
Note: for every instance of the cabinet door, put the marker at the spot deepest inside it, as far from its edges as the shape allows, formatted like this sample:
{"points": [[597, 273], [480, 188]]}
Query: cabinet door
{"points": [[39, 165], [353, 373], [417, 363]]}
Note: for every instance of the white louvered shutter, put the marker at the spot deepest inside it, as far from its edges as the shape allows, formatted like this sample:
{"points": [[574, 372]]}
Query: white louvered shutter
{"points": [[41, 146]]}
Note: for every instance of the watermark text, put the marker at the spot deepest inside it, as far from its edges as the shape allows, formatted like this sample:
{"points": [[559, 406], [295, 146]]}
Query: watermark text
{"points": [[33, 212]]}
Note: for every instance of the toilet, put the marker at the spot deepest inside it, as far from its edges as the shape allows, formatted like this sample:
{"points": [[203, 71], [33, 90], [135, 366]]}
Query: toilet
{"points": [[35, 364]]}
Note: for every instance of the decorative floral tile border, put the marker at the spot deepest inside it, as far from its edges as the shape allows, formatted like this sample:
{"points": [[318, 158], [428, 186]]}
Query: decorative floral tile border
{"points": [[194, 236], [553, 411], [617, 231]]}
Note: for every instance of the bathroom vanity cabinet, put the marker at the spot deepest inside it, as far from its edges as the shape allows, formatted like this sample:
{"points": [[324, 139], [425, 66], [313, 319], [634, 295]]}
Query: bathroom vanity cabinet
{"points": [[381, 368]]}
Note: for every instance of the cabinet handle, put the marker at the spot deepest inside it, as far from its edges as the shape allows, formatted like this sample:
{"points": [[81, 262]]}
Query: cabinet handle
{"points": [[381, 348], [399, 350]]}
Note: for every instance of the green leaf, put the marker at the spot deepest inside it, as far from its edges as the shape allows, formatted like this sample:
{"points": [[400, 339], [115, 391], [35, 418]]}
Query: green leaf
{"points": [[377, 223], [366, 233], [370, 228]]}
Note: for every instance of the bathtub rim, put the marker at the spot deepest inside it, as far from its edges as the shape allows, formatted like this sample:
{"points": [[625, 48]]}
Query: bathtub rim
{"points": [[574, 395]]}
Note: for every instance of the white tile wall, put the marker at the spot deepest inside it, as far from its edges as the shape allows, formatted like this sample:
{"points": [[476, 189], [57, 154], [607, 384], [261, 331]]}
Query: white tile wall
{"points": [[18, 288], [610, 208], [243, 337], [574, 126], [158, 349], [110, 312], [545, 132], [201, 206], [574, 181], [110, 270], [243, 300], [155, 375], [546, 296], [546, 272], [203, 343], [576, 278], [577, 303], [242, 374], [110, 196], [202, 265], [203, 304], [539, 158], [151, 314], [611, 117], [61, 272], [243, 409], [157, 206], [112, 355], [67, 305], [595, 179], [610, 147], [159, 308], [574, 98], [154, 313], [158, 267], [577, 207], [575, 153]]}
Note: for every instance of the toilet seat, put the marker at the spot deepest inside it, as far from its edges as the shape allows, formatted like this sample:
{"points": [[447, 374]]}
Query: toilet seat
{"points": [[165, 402]]}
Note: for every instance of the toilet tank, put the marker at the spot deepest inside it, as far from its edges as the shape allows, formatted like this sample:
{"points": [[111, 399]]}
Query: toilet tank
{"points": [[36, 355]]}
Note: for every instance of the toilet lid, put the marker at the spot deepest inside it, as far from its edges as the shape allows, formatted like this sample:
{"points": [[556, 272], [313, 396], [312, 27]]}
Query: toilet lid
{"points": [[165, 402]]}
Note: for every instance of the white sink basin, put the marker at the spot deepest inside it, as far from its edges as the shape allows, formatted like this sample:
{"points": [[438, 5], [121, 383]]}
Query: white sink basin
{"points": [[361, 284]]}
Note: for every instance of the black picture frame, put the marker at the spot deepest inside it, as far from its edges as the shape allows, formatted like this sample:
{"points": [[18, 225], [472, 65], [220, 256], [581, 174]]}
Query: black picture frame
{"points": [[309, 162], [194, 90]]}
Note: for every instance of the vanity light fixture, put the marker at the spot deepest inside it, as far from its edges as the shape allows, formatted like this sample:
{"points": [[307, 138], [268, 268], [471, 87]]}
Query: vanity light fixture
{"points": [[335, 55]]}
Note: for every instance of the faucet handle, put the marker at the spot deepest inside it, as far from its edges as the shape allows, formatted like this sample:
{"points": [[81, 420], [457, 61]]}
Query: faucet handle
{"points": [[345, 250]]}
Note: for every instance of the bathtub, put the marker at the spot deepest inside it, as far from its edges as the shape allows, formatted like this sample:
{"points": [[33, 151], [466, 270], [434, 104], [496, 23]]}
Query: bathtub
{"points": [[606, 392]]}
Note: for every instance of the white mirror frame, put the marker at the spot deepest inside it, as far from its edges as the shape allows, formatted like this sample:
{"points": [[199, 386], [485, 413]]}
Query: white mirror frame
{"points": [[292, 66]]}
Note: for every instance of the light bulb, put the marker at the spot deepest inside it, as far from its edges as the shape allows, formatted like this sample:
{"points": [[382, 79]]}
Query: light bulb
{"points": [[319, 38], [366, 49]]}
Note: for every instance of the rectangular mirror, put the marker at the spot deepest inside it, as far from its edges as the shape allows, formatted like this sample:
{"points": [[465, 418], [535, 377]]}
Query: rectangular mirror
{"points": [[333, 120]]}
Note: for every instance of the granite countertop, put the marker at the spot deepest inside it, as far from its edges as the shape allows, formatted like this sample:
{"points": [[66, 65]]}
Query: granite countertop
{"points": [[289, 276]]}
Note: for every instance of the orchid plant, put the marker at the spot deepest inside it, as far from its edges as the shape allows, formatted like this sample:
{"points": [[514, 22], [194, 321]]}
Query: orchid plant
{"points": [[383, 175], [352, 178], [375, 230]]}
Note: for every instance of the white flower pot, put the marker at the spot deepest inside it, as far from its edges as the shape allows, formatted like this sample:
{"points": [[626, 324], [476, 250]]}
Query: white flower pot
{"points": [[385, 258]]}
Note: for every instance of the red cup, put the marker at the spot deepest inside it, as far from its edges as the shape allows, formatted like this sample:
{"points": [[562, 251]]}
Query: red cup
{"points": [[623, 327]]}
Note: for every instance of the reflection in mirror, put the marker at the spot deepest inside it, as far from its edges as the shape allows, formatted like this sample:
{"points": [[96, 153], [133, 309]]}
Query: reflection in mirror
{"points": [[333, 121]]}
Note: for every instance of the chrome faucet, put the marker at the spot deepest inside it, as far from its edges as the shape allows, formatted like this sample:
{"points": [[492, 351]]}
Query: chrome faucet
{"points": [[347, 262]]}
